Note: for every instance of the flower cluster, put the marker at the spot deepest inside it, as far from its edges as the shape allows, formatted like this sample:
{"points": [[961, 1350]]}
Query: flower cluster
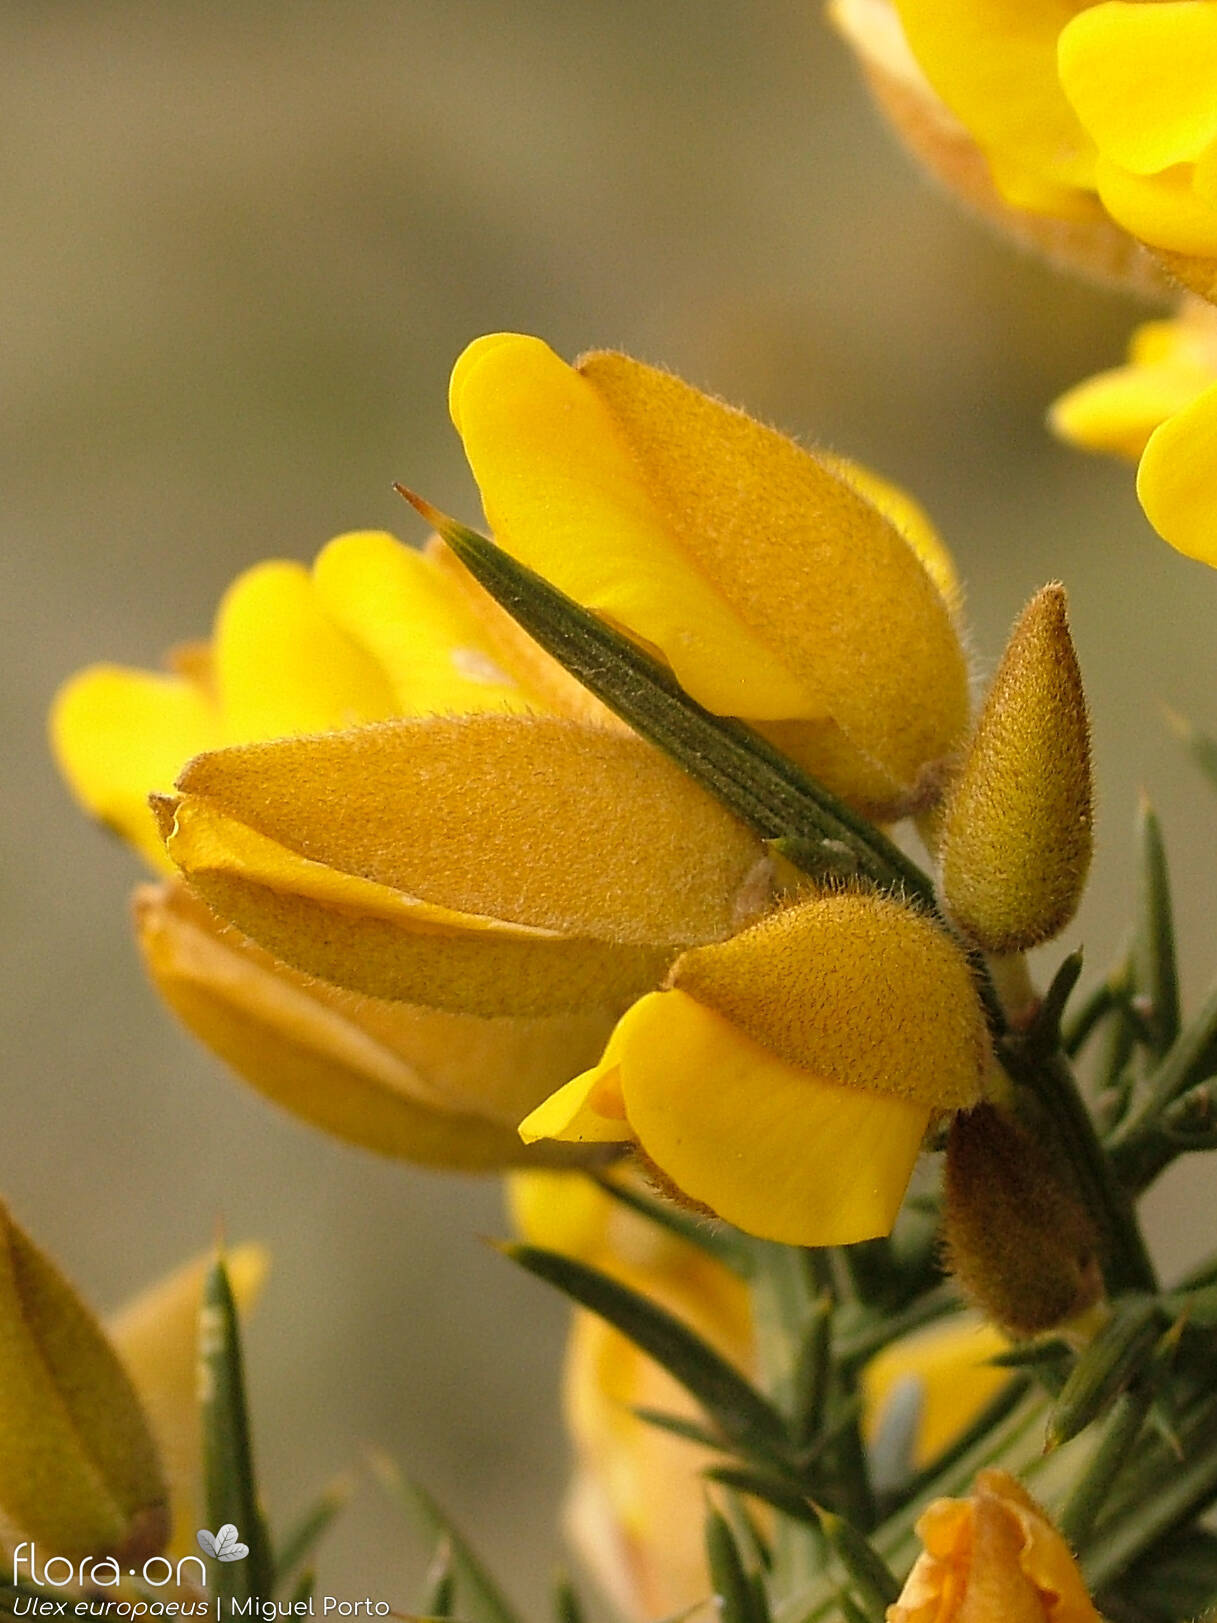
{"points": [[427, 890], [1090, 132]]}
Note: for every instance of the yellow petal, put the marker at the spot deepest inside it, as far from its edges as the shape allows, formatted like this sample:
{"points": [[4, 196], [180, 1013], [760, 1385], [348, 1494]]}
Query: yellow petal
{"points": [[635, 1515], [431, 1087], [1164, 210], [589, 1109], [775, 1150], [1117, 411], [994, 64], [698, 530], [120, 734], [1175, 481], [394, 603], [156, 1335], [282, 666], [1140, 78], [492, 865]]}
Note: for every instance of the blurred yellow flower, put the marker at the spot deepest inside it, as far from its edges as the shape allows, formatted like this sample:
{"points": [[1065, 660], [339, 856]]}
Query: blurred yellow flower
{"points": [[787, 588], [635, 1507], [994, 1556], [1089, 120], [784, 1079], [947, 1368], [1160, 406], [1139, 78], [374, 630]]}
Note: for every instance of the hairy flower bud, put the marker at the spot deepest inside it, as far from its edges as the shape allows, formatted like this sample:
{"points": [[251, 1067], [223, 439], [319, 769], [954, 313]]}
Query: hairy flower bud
{"points": [[1016, 827], [79, 1468], [1018, 1239], [785, 1078]]}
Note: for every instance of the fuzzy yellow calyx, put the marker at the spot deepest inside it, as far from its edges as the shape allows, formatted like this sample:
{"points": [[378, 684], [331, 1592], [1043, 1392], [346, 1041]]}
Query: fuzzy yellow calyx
{"points": [[79, 1468], [1016, 828], [494, 865], [786, 1077]]}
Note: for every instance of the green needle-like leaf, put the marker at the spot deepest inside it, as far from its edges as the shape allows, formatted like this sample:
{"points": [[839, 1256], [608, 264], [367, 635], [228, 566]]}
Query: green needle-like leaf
{"points": [[567, 1606], [1155, 974], [680, 1426], [1122, 1348], [746, 1419], [873, 1581], [739, 1600], [439, 1585], [482, 1601], [759, 784], [231, 1490]]}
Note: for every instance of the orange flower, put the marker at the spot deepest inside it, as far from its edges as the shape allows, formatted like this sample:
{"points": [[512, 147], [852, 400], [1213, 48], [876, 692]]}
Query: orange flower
{"points": [[992, 1558]]}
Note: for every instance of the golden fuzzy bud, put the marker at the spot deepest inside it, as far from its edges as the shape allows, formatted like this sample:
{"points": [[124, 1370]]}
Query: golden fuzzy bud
{"points": [[1018, 1239], [1016, 829]]}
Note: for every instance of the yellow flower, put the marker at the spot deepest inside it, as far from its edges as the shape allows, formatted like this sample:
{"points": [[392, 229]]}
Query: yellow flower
{"points": [[994, 1556], [1162, 407], [374, 630], [79, 1469], [948, 1367], [635, 1507], [1086, 114], [1075, 234], [785, 1078], [771, 579]]}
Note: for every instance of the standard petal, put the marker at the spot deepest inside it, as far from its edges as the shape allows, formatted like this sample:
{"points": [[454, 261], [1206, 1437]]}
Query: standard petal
{"points": [[772, 1149], [1164, 210], [119, 734]]}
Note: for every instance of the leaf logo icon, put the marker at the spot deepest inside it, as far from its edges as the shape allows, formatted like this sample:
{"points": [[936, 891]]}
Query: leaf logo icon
{"points": [[222, 1546]]}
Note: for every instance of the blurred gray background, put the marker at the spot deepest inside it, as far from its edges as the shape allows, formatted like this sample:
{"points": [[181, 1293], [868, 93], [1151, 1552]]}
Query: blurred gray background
{"points": [[242, 246]]}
